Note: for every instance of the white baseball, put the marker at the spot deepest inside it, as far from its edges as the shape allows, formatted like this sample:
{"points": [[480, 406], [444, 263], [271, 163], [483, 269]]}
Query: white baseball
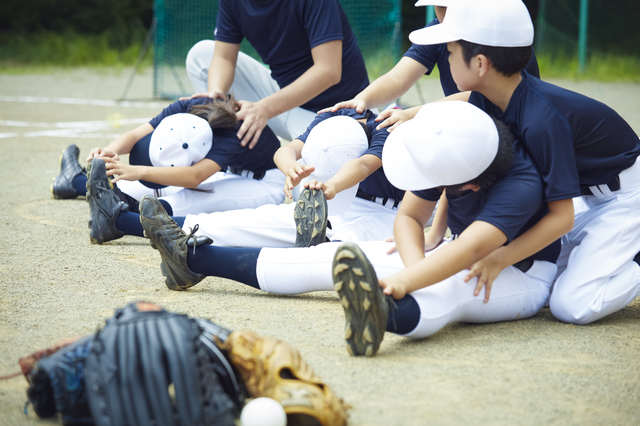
{"points": [[263, 412]]}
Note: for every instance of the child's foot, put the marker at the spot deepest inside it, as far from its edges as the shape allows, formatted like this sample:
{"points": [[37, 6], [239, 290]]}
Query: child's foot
{"points": [[365, 305], [310, 215], [172, 243], [69, 168], [104, 204]]}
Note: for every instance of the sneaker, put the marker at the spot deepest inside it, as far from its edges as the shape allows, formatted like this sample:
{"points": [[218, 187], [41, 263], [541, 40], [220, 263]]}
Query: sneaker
{"points": [[310, 215], [69, 168], [172, 243], [366, 307], [104, 204]]}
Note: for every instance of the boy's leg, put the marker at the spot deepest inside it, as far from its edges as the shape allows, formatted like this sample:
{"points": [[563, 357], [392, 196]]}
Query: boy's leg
{"points": [[270, 225], [252, 82], [363, 221], [601, 276], [71, 180], [226, 191]]}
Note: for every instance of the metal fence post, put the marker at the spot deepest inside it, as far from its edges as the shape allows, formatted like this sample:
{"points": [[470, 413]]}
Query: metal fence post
{"points": [[582, 37]]}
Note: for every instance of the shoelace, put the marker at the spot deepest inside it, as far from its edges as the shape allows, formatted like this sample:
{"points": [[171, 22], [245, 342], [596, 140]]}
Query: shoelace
{"points": [[192, 232]]}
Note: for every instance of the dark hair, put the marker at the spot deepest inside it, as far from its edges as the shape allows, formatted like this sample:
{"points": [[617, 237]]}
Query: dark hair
{"points": [[506, 60], [220, 113], [498, 167], [367, 131]]}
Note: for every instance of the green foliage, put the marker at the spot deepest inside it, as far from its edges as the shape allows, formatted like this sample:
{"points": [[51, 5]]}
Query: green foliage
{"points": [[66, 49], [600, 67]]}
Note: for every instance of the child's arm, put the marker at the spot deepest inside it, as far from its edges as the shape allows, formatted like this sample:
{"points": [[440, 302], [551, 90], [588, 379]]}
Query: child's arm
{"points": [[186, 177], [286, 159], [552, 226], [122, 144], [408, 228], [475, 243], [350, 174], [439, 226]]}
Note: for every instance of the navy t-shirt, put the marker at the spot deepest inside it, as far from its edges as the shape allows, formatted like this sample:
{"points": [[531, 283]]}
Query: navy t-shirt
{"points": [[284, 32], [574, 140], [225, 150], [376, 183], [513, 204], [430, 55]]}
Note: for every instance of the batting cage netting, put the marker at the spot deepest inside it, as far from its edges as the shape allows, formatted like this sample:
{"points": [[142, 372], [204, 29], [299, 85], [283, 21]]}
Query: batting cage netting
{"points": [[180, 24]]}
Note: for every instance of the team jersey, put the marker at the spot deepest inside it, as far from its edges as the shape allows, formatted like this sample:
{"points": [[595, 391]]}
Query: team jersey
{"points": [[225, 150], [574, 140], [284, 32], [430, 55], [376, 183], [513, 204]]}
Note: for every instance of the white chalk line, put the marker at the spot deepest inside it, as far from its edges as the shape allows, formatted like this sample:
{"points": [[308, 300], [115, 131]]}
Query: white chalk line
{"points": [[79, 101]]}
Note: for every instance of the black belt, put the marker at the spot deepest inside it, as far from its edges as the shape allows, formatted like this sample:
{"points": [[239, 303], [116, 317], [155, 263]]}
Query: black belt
{"points": [[524, 265], [237, 171], [613, 184], [369, 197]]}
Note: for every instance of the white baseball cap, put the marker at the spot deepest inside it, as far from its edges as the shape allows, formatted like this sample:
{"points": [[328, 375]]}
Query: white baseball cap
{"points": [[446, 143], [443, 3], [497, 23], [180, 140], [330, 144]]}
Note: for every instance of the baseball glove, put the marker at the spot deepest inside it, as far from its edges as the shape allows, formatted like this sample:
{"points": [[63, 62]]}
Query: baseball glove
{"points": [[56, 380], [148, 366], [275, 369]]}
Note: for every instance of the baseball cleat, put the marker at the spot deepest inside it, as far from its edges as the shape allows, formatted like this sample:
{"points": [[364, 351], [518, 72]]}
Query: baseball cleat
{"points": [[68, 168], [310, 215], [172, 243], [365, 305], [104, 204]]}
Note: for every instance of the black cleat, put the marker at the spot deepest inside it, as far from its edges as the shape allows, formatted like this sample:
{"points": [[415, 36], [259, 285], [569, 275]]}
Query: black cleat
{"points": [[69, 168], [366, 307], [310, 215], [104, 204], [172, 243]]}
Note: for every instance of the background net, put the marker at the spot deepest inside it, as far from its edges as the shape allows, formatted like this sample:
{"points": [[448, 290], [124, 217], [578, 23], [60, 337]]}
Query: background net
{"points": [[180, 24]]}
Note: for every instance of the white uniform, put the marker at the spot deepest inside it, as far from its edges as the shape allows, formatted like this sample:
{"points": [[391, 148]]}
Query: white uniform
{"points": [[514, 295], [602, 278]]}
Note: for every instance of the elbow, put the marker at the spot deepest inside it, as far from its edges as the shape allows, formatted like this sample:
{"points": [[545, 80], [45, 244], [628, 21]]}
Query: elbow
{"points": [[568, 224], [332, 75]]}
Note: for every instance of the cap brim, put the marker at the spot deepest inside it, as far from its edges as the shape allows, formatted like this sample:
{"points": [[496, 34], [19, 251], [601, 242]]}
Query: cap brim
{"points": [[435, 34], [443, 3]]}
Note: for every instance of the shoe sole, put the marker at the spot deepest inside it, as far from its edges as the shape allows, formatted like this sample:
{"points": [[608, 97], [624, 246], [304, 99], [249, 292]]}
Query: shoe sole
{"points": [[93, 239], [55, 196], [357, 285], [310, 215]]}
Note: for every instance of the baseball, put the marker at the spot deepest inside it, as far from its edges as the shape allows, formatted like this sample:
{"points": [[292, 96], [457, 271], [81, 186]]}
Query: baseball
{"points": [[263, 412]]}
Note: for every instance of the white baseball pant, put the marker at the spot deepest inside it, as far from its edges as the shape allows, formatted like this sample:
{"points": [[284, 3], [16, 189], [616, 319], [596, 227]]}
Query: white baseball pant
{"points": [[274, 226], [252, 82], [220, 192], [514, 295], [596, 272]]}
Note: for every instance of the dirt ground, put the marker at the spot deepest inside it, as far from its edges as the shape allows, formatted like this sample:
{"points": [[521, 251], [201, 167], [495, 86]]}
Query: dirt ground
{"points": [[55, 284]]}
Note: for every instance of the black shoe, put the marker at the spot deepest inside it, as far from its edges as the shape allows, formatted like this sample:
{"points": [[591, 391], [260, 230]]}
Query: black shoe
{"points": [[69, 168], [172, 243], [366, 307], [310, 215], [104, 204]]}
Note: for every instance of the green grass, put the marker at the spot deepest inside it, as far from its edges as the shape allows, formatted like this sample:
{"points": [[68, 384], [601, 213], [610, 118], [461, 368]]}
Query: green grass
{"points": [[599, 67], [37, 52]]}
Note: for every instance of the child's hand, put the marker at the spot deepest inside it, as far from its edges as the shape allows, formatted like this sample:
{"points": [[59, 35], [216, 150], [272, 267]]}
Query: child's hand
{"points": [[486, 270], [122, 170], [393, 118], [103, 153], [358, 105], [294, 175], [393, 288], [328, 189]]}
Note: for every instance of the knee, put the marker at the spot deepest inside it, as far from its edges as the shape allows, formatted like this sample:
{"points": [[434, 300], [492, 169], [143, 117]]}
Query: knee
{"points": [[570, 309], [202, 49]]}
